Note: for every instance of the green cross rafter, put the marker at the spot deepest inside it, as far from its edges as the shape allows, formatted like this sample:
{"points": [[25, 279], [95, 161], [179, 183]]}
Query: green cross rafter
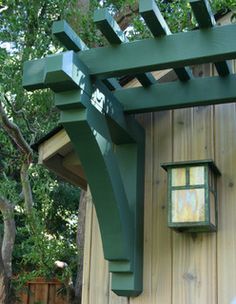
{"points": [[201, 46], [95, 112], [174, 95]]}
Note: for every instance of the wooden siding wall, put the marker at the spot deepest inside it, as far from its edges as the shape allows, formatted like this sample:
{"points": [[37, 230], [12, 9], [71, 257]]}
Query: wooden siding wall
{"points": [[178, 268]]}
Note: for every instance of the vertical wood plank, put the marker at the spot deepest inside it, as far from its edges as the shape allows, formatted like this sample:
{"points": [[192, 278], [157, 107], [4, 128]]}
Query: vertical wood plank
{"points": [[194, 256], [147, 121], [87, 249], [60, 298], [52, 294], [161, 235], [225, 118], [41, 293], [99, 277], [31, 293]]}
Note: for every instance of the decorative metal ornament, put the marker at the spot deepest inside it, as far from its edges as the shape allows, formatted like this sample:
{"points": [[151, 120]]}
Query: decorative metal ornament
{"points": [[192, 195]]}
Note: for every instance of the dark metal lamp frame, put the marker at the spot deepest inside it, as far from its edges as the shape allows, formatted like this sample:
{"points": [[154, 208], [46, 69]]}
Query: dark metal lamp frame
{"points": [[210, 169]]}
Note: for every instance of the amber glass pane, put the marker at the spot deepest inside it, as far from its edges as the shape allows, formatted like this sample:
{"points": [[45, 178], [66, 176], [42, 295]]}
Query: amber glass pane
{"points": [[196, 175], [178, 177], [188, 205], [212, 210]]}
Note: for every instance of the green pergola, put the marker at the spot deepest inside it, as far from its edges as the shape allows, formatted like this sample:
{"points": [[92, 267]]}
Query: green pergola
{"points": [[96, 112]]}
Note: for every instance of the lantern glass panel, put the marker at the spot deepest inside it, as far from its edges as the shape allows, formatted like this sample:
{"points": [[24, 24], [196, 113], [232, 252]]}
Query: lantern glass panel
{"points": [[212, 209], [188, 205], [178, 177], [196, 175]]}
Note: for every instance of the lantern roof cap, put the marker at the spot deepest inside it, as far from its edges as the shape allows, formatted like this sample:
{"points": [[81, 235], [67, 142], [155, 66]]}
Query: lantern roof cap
{"points": [[208, 162]]}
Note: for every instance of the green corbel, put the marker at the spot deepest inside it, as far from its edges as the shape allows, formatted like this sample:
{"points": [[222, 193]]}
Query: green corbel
{"points": [[95, 151], [110, 146], [64, 73]]}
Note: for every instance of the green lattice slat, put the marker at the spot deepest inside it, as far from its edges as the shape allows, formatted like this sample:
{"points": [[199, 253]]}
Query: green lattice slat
{"points": [[174, 95], [158, 27], [210, 45], [205, 18], [113, 33], [68, 38]]}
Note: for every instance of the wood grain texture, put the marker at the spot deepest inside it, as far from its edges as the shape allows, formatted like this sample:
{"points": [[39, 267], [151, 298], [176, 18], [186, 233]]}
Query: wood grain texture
{"points": [[161, 235], [42, 291], [99, 277], [145, 297], [58, 143], [225, 121], [194, 257], [181, 268], [87, 248]]}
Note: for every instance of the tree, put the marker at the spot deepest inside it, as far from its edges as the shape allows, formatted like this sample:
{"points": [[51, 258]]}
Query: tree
{"points": [[23, 36]]}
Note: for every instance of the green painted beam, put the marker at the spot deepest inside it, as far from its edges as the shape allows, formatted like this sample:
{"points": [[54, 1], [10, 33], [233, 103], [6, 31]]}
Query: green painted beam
{"points": [[203, 13], [66, 75], [210, 45], [158, 27], [112, 84], [65, 34], [33, 74], [109, 27], [123, 129], [205, 18], [153, 18], [146, 79], [60, 72], [131, 160], [114, 35], [68, 38], [174, 95]]}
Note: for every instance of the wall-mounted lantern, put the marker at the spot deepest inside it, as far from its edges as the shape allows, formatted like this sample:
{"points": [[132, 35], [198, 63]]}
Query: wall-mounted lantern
{"points": [[192, 195]]}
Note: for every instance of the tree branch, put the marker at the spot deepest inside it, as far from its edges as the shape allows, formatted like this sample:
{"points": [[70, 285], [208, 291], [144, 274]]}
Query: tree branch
{"points": [[20, 112], [26, 188], [123, 17], [7, 210], [14, 132], [16, 135]]}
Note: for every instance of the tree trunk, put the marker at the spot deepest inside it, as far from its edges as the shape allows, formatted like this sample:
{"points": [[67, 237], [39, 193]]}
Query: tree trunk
{"points": [[8, 241], [7, 244], [83, 5], [4, 285]]}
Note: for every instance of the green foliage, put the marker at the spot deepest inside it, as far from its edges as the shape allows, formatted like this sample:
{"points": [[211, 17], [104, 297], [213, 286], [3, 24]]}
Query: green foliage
{"points": [[50, 234]]}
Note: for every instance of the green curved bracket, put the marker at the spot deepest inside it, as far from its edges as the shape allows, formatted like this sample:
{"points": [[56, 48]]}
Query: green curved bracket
{"points": [[110, 146]]}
